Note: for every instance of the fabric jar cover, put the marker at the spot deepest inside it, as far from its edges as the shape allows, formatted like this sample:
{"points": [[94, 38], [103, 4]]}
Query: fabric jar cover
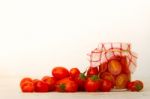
{"points": [[105, 51]]}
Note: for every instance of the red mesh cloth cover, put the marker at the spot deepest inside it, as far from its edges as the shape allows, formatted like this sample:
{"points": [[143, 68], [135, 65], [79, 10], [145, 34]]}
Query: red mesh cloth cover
{"points": [[105, 51]]}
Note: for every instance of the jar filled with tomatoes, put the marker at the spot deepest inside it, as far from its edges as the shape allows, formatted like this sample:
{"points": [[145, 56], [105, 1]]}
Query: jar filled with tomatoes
{"points": [[115, 62]]}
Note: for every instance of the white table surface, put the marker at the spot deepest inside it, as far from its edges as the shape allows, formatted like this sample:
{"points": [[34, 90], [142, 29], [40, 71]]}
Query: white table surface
{"points": [[9, 88]]}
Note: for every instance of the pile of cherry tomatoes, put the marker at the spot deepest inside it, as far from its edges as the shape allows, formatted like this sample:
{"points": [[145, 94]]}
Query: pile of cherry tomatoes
{"points": [[92, 80]]}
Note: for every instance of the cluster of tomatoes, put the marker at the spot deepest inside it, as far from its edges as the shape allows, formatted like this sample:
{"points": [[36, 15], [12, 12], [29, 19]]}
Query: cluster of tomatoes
{"points": [[107, 76]]}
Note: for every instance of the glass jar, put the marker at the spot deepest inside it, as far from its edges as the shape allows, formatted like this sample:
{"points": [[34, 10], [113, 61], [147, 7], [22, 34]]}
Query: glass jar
{"points": [[116, 63]]}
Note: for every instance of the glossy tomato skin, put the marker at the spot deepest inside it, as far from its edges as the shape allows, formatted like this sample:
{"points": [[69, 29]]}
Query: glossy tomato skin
{"points": [[103, 67], [92, 84], [136, 85], [60, 72], [130, 86], [80, 80], [26, 79], [66, 85], [108, 76], [41, 86], [74, 72], [114, 67], [51, 81], [106, 85], [121, 81], [92, 71], [27, 86]]}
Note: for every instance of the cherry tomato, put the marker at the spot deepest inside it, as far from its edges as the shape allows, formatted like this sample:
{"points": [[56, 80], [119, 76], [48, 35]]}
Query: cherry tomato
{"points": [[41, 86], [27, 86], [74, 72], [92, 84], [60, 72], [26, 79], [51, 81], [114, 67], [106, 85], [108, 76], [136, 85], [92, 71], [121, 81], [103, 67], [80, 80], [66, 85]]}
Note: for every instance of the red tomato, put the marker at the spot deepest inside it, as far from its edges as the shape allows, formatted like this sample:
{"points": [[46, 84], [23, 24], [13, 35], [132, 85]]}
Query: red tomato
{"points": [[136, 85], [80, 80], [74, 72], [51, 81], [108, 76], [106, 85], [129, 85], [114, 67], [103, 67], [92, 71], [28, 79], [121, 81], [125, 67], [60, 72], [41, 86], [27, 86], [66, 85], [92, 84]]}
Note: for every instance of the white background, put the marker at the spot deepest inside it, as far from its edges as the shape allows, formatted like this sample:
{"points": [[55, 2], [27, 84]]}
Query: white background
{"points": [[36, 35]]}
